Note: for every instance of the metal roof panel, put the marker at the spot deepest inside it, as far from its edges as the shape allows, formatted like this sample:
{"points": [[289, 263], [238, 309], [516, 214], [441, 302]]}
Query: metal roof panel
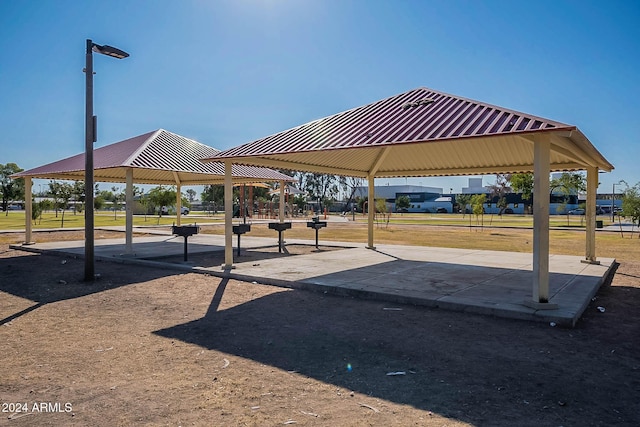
{"points": [[154, 157]]}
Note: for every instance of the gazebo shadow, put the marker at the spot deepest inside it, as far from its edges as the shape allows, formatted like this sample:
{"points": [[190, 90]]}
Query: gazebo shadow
{"points": [[443, 367], [201, 257]]}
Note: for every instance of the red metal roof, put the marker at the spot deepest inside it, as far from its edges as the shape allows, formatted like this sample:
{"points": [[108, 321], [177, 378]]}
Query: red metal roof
{"points": [[417, 115], [156, 157], [421, 132]]}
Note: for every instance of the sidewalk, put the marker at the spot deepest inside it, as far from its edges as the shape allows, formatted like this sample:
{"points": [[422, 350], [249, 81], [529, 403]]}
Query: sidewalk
{"points": [[486, 282]]}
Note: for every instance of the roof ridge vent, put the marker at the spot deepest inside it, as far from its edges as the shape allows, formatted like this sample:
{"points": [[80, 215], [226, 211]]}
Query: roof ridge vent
{"points": [[418, 102]]}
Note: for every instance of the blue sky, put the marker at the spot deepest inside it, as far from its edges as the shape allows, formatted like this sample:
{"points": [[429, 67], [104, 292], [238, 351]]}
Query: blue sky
{"points": [[228, 72]]}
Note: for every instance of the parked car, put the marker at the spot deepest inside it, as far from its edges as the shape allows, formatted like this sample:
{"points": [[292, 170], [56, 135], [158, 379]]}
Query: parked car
{"points": [[183, 209], [442, 210], [576, 212], [508, 211]]}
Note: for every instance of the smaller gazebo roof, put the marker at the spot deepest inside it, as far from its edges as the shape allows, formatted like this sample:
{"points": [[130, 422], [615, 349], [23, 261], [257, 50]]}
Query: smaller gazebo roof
{"points": [[158, 157]]}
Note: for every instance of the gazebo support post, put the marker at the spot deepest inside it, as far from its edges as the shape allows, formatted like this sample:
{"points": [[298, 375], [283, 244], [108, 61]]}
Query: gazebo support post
{"points": [[541, 171], [128, 197], [281, 204], [228, 216], [371, 210], [590, 216], [178, 199], [28, 209]]}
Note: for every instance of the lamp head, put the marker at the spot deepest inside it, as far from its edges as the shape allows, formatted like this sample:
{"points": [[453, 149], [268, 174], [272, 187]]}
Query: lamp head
{"points": [[109, 51]]}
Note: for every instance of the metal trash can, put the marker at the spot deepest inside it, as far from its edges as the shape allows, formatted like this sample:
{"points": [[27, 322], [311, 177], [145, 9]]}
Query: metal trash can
{"points": [[598, 223]]}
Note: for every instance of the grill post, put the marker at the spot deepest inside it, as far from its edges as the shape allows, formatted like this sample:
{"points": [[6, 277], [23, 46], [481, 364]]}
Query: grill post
{"points": [[185, 231]]}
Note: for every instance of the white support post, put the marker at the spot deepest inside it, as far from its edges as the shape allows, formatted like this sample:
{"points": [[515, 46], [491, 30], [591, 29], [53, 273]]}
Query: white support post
{"points": [[228, 216], [281, 206], [371, 211], [178, 203], [128, 197], [590, 216], [541, 171], [28, 209]]}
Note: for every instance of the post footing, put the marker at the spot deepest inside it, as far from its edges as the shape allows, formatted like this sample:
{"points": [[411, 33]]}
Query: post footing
{"points": [[540, 305]]}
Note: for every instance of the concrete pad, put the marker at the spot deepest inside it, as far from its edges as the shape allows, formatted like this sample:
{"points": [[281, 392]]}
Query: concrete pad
{"points": [[469, 280]]}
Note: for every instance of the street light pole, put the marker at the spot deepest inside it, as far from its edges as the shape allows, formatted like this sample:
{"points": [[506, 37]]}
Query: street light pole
{"points": [[90, 138], [613, 198]]}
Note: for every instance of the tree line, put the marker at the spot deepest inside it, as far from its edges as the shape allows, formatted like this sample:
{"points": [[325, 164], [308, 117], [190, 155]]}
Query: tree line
{"points": [[322, 189]]}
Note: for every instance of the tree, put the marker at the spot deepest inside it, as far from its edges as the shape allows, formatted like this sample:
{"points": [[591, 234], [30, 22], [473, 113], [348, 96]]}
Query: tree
{"points": [[213, 196], [77, 193], [381, 212], [351, 185], [568, 184], [118, 198], [321, 187], [12, 189], [463, 200], [500, 189], [191, 194], [39, 208], [402, 202], [61, 193], [161, 196], [477, 205], [631, 204], [523, 183]]}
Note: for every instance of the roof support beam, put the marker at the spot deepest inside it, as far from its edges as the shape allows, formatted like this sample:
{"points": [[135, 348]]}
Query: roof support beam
{"points": [[562, 146], [178, 197], [592, 185], [290, 165], [456, 171], [128, 200], [371, 210], [541, 155], [280, 204], [228, 216], [574, 153], [28, 184], [378, 161]]}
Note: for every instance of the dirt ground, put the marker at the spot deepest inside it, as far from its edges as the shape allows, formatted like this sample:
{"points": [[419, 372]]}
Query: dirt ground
{"points": [[143, 346]]}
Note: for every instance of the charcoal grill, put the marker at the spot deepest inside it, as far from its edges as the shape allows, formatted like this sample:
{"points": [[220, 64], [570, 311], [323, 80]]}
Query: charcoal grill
{"points": [[240, 229], [185, 231], [279, 227], [316, 224]]}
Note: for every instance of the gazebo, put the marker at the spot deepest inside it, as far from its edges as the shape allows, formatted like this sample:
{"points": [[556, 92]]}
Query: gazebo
{"points": [[423, 133], [158, 157]]}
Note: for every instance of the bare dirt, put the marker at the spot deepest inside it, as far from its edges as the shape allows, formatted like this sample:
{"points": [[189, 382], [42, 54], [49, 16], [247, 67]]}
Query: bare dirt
{"points": [[143, 346]]}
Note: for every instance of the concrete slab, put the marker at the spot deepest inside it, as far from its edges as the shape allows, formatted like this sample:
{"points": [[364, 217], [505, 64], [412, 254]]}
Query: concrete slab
{"points": [[486, 282]]}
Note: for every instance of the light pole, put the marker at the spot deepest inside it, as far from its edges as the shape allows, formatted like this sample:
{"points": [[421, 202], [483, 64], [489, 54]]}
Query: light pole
{"points": [[90, 138], [613, 198]]}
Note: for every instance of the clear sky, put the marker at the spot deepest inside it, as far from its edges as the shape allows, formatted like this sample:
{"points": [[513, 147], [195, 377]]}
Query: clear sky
{"points": [[228, 72]]}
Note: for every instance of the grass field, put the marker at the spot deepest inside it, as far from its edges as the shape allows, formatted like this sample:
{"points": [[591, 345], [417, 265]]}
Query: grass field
{"points": [[14, 220], [510, 233]]}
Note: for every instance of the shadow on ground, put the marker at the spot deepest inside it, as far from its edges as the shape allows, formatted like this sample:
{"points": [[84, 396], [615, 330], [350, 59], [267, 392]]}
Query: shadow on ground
{"points": [[214, 258], [459, 365], [60, 279]]}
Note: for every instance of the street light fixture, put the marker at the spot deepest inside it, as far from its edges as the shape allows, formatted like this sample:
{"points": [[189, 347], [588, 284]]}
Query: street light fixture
{"points": [[90, 138]]}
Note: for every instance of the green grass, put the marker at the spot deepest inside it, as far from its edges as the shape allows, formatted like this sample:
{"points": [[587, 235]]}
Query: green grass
{"points": [[14, 220]]}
